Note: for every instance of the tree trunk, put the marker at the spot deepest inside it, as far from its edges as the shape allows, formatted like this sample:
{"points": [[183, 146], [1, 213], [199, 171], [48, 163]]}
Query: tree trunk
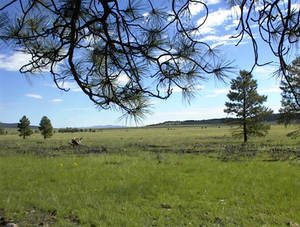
{"points": [[245, 131], [244, 114]]}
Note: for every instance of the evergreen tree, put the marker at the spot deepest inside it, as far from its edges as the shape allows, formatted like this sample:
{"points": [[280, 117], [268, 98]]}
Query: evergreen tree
{"points": [[290, 109], [290, 87], [23, 126], [246, 104], [46, 127]]}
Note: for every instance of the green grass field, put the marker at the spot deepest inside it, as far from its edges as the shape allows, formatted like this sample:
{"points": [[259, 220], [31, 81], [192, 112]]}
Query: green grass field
{"points": [[188, 176]]}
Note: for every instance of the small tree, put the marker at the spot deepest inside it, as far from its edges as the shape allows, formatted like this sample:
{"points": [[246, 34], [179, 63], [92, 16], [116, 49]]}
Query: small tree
{"points": [[246, 104], [46, 127], [23, 126]]}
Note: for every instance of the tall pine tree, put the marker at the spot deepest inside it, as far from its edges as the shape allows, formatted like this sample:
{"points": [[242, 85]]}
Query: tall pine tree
{"points": [[290, 109], [246, 104], [24, 128], [290, 87], [46, 127]]}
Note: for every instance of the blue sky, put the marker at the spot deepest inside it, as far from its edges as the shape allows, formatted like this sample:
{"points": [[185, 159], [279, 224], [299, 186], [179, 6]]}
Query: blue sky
{"points": [[36, 95]]}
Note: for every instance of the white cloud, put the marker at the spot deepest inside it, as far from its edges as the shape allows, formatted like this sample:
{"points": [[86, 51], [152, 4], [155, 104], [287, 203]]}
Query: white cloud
{"points": [[284, 3], [146, 14], [14, 61], [217, 92], [270, 90], [71, 85], [223, 40], [35, 96], [217, 18], [176, 89], [164, 58], [296, 6], [260, 70], [233, 25], [198, 87], [194, 88], [153, 102], [196, 8], [275, 108], [220, 40], [204, 30], [216, 38], [67, 85], [122, 79], [212, 2], [265, 70], [259, 6], [56, 100]]}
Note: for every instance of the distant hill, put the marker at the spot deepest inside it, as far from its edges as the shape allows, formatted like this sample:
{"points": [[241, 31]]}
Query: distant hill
{"points": [[15, 125], [215, 121], [106, 126]]}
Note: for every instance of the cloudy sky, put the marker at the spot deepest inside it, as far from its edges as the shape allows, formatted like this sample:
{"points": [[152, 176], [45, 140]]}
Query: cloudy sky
{"points": [[36, 95]]}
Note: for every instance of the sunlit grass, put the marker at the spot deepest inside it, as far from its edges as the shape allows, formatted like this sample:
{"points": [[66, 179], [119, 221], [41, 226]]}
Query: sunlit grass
{"points": [[145, 178], [134, 191], [183, 139]]}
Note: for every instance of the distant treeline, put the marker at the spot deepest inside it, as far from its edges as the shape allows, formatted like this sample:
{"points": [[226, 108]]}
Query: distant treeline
{"points": [[216, 121], [73, 130], [15, 125]]}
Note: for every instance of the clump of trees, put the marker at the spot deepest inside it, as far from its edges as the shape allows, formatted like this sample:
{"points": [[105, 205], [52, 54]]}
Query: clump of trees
{"points": [[24, 127], [247, 105], [73, 130], [46, 127], [68, 130]]}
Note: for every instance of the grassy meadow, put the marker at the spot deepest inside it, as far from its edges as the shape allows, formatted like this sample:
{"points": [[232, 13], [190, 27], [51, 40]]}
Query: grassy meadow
{"points": [[185, 176]]}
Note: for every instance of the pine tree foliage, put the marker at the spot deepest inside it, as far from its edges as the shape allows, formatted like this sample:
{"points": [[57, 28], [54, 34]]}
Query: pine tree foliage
{"points": [[120, 53], [246, 104], [46, 127], [24, 128], [123, 53], [290, 110]]}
